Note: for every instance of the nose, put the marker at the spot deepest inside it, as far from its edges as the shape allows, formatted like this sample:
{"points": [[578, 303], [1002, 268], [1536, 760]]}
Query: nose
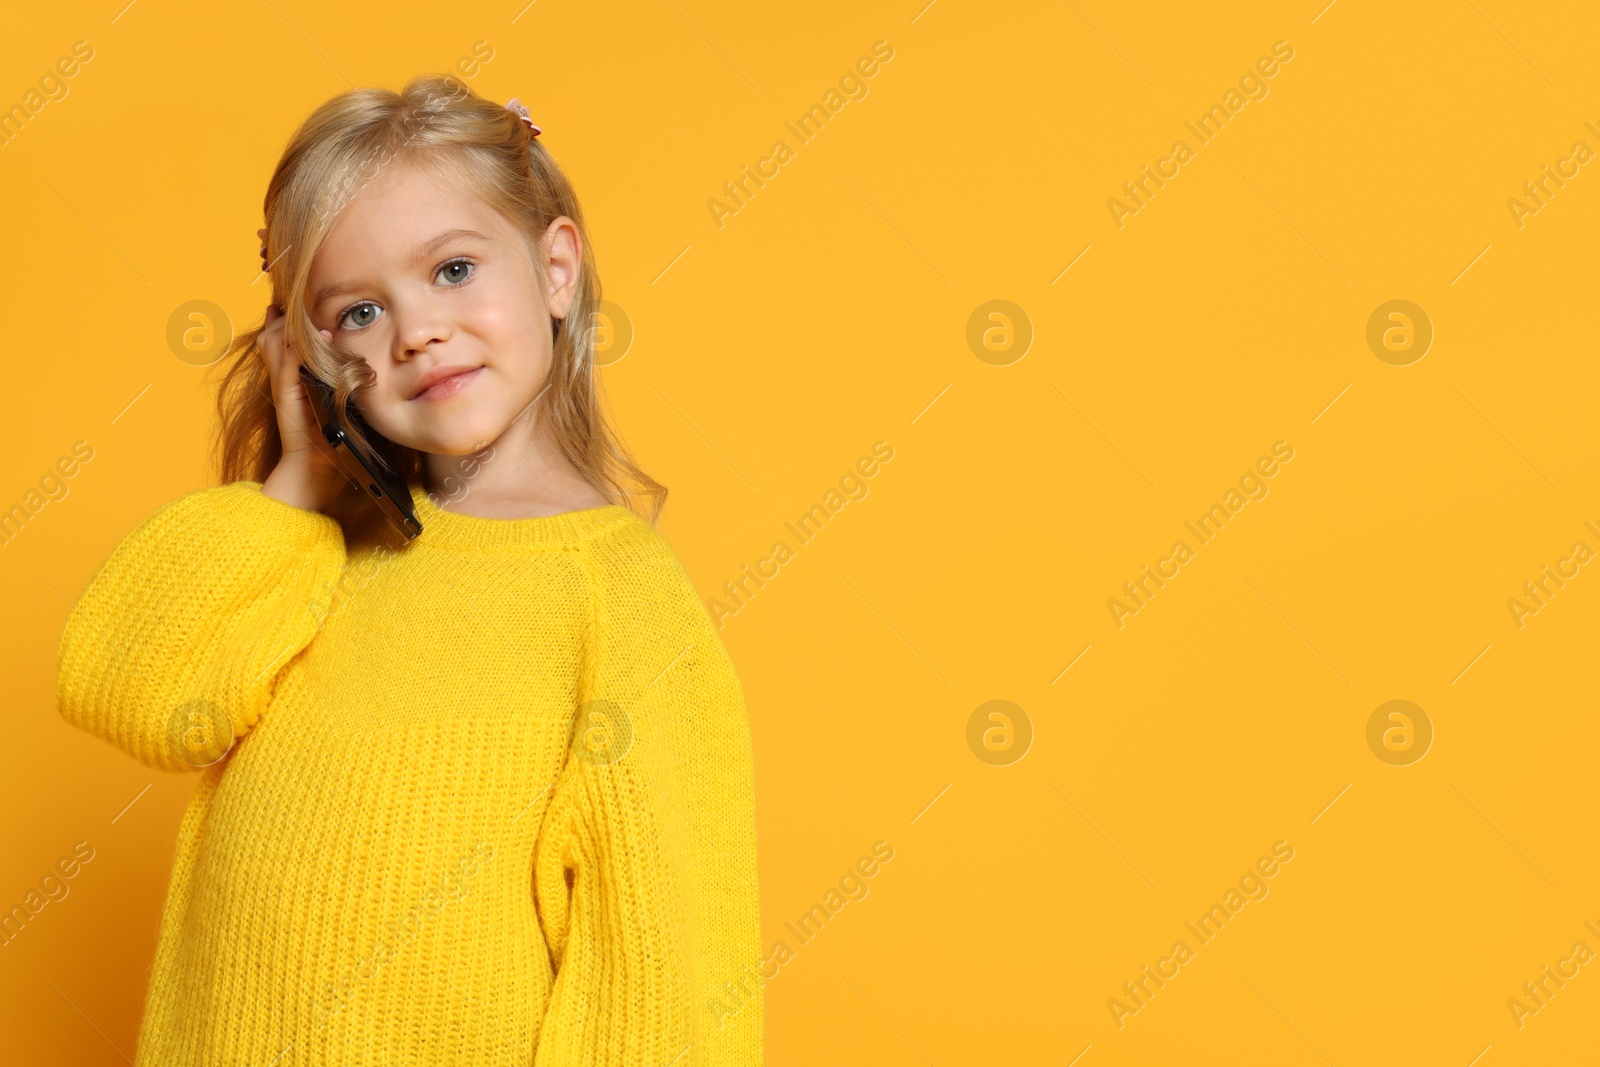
{"points": [[417, 326]]}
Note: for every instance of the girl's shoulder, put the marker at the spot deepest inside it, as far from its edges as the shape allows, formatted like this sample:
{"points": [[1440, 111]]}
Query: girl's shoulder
{"points": [[631, 561], [627, 541]]}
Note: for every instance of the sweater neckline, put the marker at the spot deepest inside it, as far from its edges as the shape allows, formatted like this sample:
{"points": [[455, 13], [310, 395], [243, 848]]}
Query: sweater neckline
{"points": [[569, 529]]}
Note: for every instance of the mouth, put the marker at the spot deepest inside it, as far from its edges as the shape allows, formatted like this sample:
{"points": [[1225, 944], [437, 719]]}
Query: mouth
{"points": [[440, 386]]}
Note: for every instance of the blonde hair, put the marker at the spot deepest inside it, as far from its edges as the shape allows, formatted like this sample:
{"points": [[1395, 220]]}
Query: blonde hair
{"points": [[439, 123]]}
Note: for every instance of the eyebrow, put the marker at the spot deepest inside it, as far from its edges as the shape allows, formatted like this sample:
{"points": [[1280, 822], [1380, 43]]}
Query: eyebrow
{"points": [[328, 292]]}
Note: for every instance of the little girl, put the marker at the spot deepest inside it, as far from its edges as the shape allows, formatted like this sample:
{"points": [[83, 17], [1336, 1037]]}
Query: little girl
{"points": [[483, 797]]}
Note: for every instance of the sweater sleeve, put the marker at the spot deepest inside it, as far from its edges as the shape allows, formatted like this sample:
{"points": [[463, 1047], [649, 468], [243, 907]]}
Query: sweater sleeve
{"points": [[645, 869], [173, 650]]}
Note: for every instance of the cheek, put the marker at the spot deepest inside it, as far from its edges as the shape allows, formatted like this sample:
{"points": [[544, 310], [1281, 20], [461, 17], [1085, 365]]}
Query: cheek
{"points": [[515, 333], [501, 312]]}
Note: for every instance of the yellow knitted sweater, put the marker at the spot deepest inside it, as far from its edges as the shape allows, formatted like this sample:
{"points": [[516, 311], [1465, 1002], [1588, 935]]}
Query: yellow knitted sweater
{"points": [[480, 799]]}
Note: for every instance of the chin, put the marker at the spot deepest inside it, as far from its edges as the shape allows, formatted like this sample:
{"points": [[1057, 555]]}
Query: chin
{"points": [[463, 440]]}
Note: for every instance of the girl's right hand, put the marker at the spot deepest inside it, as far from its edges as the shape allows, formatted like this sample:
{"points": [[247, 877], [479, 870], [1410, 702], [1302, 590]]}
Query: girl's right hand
{"points": [[306, 475]]}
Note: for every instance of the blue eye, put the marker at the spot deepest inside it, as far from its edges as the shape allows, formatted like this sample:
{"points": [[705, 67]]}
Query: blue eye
{"points": [[461, 263], [460, 272], [364, 306]]}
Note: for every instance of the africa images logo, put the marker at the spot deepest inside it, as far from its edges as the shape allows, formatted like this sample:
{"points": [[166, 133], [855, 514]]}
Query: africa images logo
{"points": [[1252, 485], [1252, 85]]}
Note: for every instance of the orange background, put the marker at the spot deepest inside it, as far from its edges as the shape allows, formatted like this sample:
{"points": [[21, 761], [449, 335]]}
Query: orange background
{"points": [[832, 311]]}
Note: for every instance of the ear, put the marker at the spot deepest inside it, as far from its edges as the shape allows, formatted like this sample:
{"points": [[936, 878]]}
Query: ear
{"points": [[562, 249]]}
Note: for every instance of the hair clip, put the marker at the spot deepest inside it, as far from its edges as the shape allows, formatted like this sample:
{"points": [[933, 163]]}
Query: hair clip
{"points": [[516, 107]]}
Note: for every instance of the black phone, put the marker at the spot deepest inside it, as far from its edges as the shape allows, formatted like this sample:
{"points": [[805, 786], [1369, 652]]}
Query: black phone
{"points": [[381, 484]]}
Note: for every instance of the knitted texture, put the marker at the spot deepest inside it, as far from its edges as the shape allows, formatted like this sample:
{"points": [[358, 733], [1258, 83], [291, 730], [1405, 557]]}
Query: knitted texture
{"points": [[484, 798]]}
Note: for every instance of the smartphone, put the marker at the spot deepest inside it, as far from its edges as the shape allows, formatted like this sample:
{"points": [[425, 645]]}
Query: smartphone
{"points": [[382, 485]]}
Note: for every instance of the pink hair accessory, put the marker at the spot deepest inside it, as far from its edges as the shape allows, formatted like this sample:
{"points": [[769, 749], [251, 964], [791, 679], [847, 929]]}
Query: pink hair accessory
{"points": [[517, 108]]}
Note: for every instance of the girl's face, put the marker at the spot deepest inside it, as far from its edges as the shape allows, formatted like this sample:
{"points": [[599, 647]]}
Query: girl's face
{"points": [[438, 293]]}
